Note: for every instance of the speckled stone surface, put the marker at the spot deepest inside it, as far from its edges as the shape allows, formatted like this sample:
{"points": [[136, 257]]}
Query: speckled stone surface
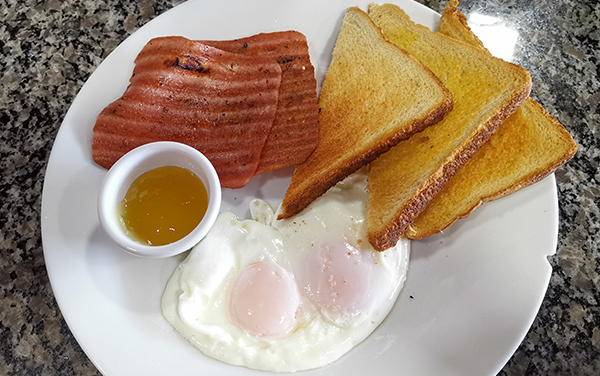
{"points": [[49, 48]]}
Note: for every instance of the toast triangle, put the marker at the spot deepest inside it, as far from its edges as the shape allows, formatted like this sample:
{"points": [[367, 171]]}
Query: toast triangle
{"points": [[528, 146], [486, 91], [374, 95]]}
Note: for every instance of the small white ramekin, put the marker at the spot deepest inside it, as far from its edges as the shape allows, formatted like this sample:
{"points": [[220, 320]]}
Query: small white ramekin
{"points": [[145, 158]]}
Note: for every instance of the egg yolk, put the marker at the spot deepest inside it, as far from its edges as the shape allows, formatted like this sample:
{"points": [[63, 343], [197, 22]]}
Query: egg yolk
{"points": [[338, 280], [264, 300], [163, 205]]}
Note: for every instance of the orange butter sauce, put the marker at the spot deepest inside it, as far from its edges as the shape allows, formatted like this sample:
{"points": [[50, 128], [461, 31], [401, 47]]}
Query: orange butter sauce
{"points": [[163, 205]]}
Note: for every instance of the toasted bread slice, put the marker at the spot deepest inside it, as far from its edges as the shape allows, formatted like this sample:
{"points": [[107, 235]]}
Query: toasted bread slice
{"points": [[486, 91], [529, 146], [374, 95]]}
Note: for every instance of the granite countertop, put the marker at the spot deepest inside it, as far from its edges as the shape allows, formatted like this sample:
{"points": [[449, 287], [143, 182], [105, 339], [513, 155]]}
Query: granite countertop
{"points": [[49, 49]]}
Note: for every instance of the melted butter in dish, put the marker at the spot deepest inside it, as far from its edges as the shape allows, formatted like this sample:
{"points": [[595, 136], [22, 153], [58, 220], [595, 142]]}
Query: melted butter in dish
{"points": [[163, 205]]}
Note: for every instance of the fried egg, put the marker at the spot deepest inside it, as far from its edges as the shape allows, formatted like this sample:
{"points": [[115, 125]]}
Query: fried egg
{"points": [[286, 295]]}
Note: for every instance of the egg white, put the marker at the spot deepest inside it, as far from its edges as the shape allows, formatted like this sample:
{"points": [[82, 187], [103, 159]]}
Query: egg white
{"points": [[195, 301]]}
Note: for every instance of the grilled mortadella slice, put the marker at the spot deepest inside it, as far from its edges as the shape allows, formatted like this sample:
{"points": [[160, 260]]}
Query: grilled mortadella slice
{"points": [[218, 102], [295, 132]]}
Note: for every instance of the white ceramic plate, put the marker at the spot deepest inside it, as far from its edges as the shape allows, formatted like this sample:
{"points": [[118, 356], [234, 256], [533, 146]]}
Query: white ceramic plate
{"points": [[471, 294]]}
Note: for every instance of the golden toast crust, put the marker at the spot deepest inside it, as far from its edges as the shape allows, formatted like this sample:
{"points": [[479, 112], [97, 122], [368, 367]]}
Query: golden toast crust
{"points": [[390, 235], [529, 146], [486, 92], [298, 200], [372, 98]]}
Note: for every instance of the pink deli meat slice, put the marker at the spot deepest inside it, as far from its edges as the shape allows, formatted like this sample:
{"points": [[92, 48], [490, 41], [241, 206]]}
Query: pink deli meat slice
{"points": [[221, 103]]}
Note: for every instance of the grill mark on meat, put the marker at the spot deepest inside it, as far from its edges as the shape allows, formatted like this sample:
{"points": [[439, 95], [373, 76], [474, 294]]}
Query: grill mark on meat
{"points": [[210, 109], [240, 134], [149, 95], [287, 59], [237, 89], [290, 49], [220, 103], [162, 89]]}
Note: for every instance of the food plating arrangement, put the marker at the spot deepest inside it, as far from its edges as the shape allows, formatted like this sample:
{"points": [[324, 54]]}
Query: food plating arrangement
{"points": [[366, 188]]}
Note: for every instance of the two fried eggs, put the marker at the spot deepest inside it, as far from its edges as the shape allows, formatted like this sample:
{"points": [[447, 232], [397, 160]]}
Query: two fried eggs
{"points": [[286, 295]]}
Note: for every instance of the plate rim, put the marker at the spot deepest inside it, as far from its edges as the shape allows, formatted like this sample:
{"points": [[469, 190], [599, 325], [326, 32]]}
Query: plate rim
{"points": [[45, 209]]}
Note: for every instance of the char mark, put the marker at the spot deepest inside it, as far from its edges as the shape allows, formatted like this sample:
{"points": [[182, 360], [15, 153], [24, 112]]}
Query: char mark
{"points": [[286, 59], [190, 63]]}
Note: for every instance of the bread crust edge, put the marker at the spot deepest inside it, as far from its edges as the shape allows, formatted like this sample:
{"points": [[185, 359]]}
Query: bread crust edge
{"points": [[405, 215], [301, 201], [523, 182]]}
